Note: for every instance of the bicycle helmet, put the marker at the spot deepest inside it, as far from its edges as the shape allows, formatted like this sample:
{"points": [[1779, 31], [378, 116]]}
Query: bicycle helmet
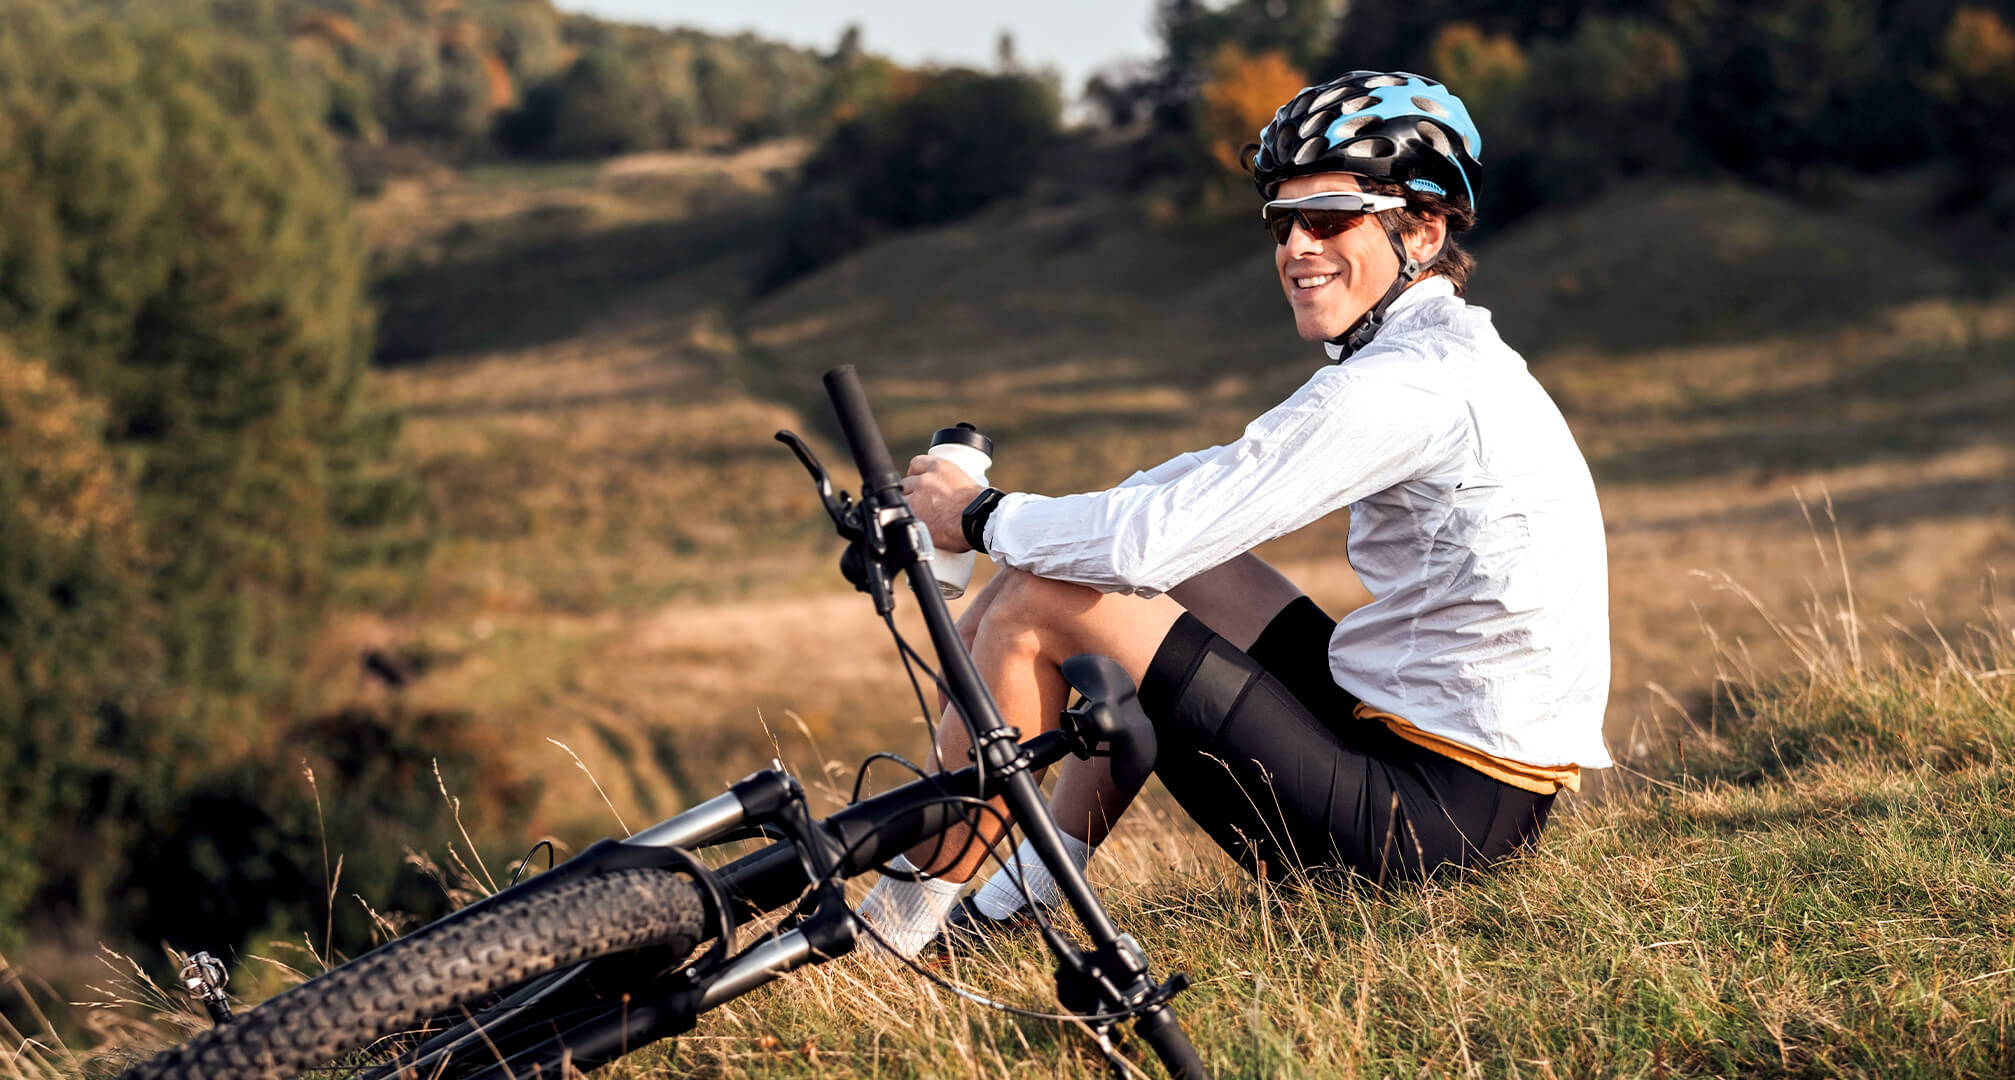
{"points": [[1388, 125], [1392, 125]]}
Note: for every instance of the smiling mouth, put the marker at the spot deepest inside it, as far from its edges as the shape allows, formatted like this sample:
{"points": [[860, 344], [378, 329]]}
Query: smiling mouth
{"points": [[1318, 281]]}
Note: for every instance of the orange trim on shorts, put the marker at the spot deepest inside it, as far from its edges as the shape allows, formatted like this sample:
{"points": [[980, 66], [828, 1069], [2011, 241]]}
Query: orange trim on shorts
{"points": [[1538, 779]]}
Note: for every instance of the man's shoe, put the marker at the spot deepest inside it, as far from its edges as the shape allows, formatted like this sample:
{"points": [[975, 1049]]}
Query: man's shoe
{"points": [[968, 927]]}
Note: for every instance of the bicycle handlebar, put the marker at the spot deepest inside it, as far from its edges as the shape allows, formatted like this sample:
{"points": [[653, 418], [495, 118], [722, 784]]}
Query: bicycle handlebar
{"points": [[864, 437]]}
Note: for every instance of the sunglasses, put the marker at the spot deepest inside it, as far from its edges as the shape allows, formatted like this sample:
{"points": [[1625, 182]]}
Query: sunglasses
{"points": [[1324, 214]]}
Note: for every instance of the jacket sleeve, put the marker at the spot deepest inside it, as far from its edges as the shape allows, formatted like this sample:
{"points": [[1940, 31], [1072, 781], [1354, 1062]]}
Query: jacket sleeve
{"points": [[1339, 438]]}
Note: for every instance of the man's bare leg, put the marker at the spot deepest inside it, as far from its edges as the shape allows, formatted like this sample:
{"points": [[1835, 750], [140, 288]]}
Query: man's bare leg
{"points": [[1029, 626], [1236, 600]]}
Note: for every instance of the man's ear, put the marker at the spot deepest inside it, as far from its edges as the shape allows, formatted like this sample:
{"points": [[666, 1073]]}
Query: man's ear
{"points": [[1426, 241]]}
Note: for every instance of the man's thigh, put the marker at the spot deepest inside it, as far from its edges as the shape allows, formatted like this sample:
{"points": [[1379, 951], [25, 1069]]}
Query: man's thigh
{"points": [[1238, 599]]}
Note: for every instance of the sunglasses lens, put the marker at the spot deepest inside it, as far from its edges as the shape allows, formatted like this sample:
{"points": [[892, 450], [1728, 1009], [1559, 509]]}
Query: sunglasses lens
{"points": [[1321, 224], [1280, 223]]}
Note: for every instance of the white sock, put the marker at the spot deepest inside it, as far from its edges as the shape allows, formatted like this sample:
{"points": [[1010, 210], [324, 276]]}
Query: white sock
{"points": [[1000, 897], [908, 914]]}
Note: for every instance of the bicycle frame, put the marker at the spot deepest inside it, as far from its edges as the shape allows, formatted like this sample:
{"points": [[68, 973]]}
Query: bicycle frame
{"points": [[600, 1010]]}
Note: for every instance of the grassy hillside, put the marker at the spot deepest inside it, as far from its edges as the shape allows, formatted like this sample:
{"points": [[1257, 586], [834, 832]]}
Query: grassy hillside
{"points": [[1818, 887], [1783, 405], [1815, 884], [630, 566]]}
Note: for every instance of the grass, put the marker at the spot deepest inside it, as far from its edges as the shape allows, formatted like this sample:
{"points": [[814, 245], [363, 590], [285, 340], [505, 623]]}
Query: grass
{"points": [[1820, 886], [1813, 881], [626, 563]]}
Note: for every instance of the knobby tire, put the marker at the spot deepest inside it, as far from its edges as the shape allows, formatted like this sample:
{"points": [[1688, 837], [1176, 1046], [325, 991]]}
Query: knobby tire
{"points": [[436, 970]]}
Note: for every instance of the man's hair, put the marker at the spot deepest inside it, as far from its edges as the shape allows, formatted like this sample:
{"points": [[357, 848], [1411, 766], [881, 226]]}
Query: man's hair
{"points": [[1455, 263]]}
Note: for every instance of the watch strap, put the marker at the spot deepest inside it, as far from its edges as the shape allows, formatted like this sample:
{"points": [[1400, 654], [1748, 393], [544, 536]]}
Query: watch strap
{"points": [[973, 522]]}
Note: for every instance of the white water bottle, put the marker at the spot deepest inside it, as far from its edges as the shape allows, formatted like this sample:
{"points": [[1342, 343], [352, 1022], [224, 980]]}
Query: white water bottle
{"points": [[973, 452]]}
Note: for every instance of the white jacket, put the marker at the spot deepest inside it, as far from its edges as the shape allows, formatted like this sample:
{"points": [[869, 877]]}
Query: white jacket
{"points": [[1474, 524]]}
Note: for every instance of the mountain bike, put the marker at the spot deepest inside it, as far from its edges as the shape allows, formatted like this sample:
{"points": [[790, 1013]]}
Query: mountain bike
{"points": [[602, 955]]}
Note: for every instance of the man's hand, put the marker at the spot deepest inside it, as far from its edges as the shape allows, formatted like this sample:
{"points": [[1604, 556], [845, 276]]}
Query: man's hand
{"points": [[939, 491]]}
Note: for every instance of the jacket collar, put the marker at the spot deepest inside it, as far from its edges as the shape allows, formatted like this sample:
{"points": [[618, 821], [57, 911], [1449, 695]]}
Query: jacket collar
{"points": [[1428, 288]]}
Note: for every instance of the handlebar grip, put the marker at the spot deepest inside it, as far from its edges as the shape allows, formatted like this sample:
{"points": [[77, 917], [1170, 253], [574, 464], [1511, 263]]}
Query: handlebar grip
{"points": [[864, 439], [1171, 1044]]}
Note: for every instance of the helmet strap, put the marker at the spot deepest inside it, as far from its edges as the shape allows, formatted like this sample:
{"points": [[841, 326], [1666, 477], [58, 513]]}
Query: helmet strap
{"points": [[1367, 326]]}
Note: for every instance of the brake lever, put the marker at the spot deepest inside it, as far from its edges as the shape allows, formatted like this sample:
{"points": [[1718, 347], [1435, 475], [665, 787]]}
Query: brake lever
{"points": [[861, 562], [837, 505]]}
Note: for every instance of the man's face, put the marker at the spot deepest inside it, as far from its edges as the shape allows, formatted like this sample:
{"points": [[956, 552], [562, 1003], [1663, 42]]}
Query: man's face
{"points": [[1331, 283]]}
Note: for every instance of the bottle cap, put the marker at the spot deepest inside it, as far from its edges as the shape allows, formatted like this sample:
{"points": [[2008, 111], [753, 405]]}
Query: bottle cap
{"points": [[964, 435]]}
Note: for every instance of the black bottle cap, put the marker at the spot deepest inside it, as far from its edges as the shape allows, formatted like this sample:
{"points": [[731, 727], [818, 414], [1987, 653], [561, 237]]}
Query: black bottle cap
{"points": [[965, 435]]}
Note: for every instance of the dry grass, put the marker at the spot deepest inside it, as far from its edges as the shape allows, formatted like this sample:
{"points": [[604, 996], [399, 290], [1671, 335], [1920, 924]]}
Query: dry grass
{"points": [[627, 563]]}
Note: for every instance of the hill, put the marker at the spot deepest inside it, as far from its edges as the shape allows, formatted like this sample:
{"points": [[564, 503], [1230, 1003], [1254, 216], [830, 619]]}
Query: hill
{"points": [[646, 564], [628, 566]]}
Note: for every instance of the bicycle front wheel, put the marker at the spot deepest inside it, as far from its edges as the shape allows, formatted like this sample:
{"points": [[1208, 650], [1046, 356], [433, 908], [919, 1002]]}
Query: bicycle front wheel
{"points": [[436, 970]]}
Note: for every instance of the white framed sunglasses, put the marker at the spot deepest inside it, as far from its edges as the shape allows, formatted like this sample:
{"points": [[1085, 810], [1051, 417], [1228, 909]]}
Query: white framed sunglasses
{"points": [[1324, 214]]}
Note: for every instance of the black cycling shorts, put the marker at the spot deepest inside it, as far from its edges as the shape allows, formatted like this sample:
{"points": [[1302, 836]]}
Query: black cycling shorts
{"points": [[1266, 753]]}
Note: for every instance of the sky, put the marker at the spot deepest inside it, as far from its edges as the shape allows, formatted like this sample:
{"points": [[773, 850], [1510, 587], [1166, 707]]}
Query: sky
{"points": [[1077, 37]]}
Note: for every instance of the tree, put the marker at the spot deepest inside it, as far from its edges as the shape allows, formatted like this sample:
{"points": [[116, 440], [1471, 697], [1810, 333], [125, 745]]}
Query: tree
{"points": [[74, 612], [1240, 97], [176, 240]]}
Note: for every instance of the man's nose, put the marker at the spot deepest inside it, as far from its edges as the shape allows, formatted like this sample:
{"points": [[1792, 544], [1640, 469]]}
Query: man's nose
{"points": [[1300, 241]]}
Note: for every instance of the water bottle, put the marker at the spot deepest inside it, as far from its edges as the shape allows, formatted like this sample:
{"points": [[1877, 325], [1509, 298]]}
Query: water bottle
{"points": [[973, 452]]}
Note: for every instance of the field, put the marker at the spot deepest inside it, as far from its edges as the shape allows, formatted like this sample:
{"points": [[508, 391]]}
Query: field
{"points": [[1798, 418], [1771, 397]]}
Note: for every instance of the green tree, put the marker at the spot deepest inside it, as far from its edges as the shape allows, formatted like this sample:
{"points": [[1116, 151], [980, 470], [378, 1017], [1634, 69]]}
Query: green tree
{"points": [[179, 241], [74, 613]]}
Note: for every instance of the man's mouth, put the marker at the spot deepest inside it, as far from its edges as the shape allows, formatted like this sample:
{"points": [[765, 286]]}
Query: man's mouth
{"points": [[1316, 282]]}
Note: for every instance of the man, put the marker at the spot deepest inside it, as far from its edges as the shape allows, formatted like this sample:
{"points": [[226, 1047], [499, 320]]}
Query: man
{"points": [[1431, 727]]}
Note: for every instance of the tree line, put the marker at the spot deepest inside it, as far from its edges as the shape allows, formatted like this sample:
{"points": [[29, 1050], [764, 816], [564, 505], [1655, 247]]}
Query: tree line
{"points": [[1574, 97]]}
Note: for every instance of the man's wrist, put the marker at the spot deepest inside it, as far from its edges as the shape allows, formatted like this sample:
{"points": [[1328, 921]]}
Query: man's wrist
{"points": [[973, 522]]}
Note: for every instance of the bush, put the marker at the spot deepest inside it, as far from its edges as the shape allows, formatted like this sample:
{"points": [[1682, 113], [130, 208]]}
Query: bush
{"points": [[598, 106], [962, 141]]}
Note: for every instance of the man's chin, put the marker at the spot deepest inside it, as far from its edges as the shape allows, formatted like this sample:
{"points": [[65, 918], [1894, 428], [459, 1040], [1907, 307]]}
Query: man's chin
{"points": [[1318, 330]]}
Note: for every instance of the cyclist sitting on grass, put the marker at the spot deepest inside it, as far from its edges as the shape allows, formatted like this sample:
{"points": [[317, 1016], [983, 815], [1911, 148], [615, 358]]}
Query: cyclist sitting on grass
{"points": [[1431, 727]]}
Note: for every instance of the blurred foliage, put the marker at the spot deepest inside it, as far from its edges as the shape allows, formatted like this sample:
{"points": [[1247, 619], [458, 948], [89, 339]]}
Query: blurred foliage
{"points": [[1975, 85], [479, 77], [1240, 96], [74, 610], [1574, 97], [192, 458], [957, 142]]}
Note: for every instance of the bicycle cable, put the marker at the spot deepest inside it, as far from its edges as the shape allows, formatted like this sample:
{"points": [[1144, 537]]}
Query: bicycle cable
{"points": [[911, 661]]}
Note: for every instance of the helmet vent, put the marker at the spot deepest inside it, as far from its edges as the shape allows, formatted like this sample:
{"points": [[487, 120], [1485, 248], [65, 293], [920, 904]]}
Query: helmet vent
{"points": [[1430, 106], [1372, 147], [1283, 140], [1435, 137], [1315, 122], [1310, 150], [1384, 80], [1355, 126], [1357, 104], [1329, 96]]}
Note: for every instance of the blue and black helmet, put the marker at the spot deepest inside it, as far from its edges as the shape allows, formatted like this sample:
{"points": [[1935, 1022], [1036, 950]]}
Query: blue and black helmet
{"points": [[1391, 125]]}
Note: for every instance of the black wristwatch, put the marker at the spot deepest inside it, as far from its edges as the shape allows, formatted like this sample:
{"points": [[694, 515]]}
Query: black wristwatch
{"points": [[973, 522]]}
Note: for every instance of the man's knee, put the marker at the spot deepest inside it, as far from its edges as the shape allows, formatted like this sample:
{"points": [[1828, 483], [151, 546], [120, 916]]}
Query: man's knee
{"points": [[1025, 599]]}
